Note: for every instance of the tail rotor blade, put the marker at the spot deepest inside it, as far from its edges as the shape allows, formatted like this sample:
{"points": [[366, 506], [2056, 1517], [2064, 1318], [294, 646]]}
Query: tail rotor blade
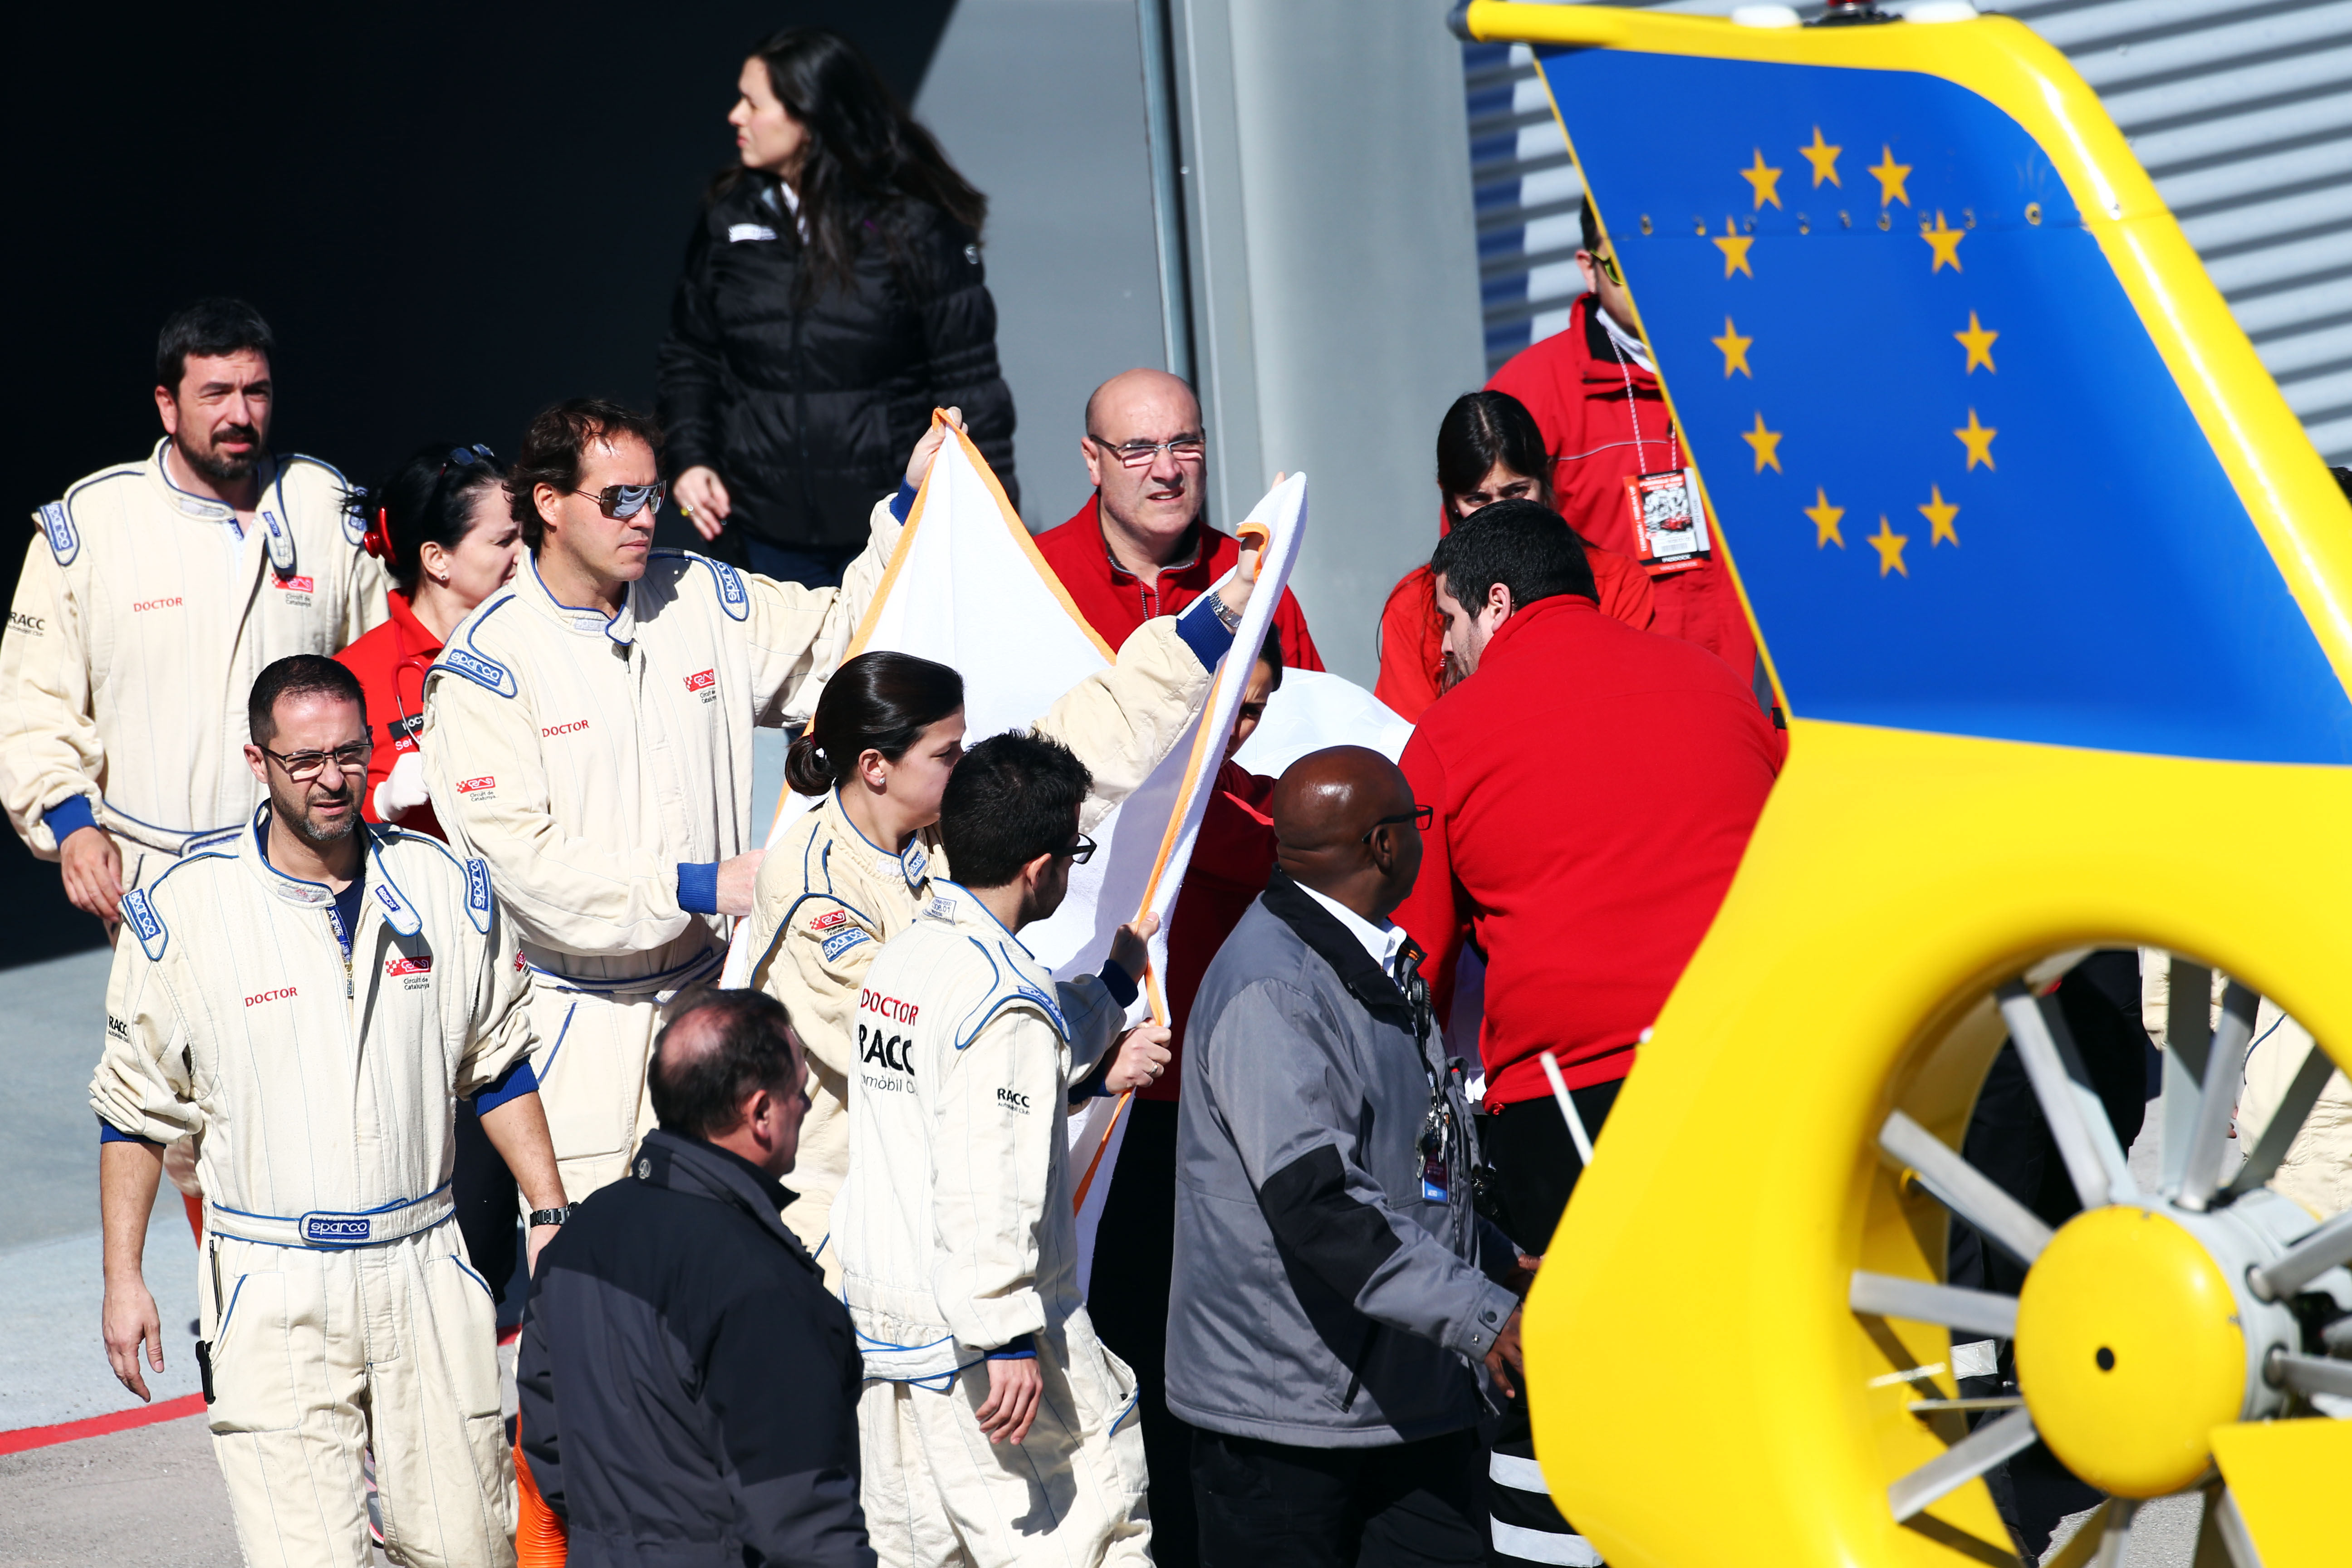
{"points": [[1961, 1463], [2225, 1069], [1974, 1312], [1963, 1189], [2270, 1148], [2078, 1121]]}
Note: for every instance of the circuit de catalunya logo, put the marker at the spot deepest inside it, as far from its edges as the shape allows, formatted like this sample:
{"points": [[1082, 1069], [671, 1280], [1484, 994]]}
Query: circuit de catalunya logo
{"points": [[702, 682], [421, 964]]}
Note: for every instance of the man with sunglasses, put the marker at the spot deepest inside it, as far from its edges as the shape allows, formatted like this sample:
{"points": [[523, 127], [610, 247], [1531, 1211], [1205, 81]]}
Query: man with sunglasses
{"points": [[1139, 548], [1620, 467], [309, 1000], [153, 596], [588, 734], [994, 1429]]}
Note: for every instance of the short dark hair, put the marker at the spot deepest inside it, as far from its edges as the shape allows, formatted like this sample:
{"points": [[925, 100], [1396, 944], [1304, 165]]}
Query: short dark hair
{"points": [[218, 325], [879, 701], [1271, 657], [1528, 549], [555, 446], [427, 500], [1013, 797], [297, 675], [703, 1096], [1589, 223], [1482, 429]]}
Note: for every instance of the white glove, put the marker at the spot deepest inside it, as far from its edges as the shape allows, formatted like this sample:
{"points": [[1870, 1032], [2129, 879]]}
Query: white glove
{"points": [[402, 789]]}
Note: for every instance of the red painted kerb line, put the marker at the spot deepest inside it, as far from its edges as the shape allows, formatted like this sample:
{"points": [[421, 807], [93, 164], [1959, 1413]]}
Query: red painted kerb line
{"points": [[25, 1438]]}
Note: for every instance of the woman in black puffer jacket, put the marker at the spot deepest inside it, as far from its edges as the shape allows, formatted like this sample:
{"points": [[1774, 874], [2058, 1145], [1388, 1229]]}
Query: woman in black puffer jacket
{"points": [[833, 296]]}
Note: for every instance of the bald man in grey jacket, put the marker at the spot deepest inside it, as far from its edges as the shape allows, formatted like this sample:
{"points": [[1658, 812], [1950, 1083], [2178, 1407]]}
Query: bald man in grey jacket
{"points": [[1335, 1292]]}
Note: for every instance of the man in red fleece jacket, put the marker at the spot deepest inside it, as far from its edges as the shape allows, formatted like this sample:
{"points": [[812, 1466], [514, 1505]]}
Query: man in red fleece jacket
{"points": [[1592, 788]]}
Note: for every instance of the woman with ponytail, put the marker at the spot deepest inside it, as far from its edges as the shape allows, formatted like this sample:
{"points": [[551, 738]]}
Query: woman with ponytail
{"points": [[858, 869], [440, 525]]}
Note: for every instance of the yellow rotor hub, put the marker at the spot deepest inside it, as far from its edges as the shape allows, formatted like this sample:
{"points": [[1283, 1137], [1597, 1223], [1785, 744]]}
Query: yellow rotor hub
{"points": [[2129, 1350]]}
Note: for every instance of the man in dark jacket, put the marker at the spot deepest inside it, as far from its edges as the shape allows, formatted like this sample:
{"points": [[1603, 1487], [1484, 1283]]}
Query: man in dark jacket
{"points": [[1334, 1288], [688, 1389]]}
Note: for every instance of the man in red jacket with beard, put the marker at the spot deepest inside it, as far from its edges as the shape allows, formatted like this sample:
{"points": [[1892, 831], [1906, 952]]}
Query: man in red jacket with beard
{"points": [[1139, 548], [1595, 396], [1592, 788]]}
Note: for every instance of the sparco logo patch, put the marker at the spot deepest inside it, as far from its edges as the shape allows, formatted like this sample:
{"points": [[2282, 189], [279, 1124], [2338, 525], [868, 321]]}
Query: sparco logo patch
{"points": [[476, 786], [281, 994], [549, 732], [703, 682], [172, 602], [335, 1230]]}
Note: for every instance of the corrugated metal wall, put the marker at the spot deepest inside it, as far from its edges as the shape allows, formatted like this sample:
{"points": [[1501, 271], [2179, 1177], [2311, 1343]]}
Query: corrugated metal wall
{"points": [[2239, 110]]}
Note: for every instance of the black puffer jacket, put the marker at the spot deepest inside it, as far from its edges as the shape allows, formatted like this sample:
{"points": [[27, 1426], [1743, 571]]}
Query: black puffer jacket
{"points": [[807, 411]]}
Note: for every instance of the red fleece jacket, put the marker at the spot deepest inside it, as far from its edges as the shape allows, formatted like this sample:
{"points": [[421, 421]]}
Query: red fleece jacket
{"points": [[390, 663], [1594, 787]]}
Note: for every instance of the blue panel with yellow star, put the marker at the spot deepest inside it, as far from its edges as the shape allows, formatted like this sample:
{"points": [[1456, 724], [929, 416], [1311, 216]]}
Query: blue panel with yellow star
{"points": [[1962, 490]]}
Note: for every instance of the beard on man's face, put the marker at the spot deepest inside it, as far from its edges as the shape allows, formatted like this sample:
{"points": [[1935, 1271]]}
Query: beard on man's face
{"points": [[209, 460], [300, 810]]}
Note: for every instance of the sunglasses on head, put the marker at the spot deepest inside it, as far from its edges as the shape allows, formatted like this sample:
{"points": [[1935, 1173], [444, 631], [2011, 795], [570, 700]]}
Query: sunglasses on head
{"points": [[622, 502], [467, 457]]}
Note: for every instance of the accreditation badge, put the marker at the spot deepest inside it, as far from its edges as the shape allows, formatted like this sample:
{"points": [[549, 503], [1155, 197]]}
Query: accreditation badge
{"points": [[1669, 523]]}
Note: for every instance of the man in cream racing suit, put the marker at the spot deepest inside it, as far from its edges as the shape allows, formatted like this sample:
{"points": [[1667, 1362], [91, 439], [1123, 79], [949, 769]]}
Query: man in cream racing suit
{"points": [[995, 1428], [307, 1000], [830, 895], [588, 733], [153, 596]]}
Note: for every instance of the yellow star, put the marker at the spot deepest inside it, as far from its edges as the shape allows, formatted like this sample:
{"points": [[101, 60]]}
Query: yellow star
{"points": [[1978, 439], [1765, 179], [1734, 246], [1889, 546], [1891, 175], [1978, 340], [1825, 519], [1735, 351], [1767, 444], [1946, 243], [1823, 155], [1939, 514]]}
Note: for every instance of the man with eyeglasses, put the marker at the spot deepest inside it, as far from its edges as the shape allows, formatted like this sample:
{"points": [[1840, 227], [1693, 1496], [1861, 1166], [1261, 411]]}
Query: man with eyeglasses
{"points": [[1595, 788], [1621, 471], [588, 734], [307, 1000], [994, 1428], [1139, 548], [153, 596]]}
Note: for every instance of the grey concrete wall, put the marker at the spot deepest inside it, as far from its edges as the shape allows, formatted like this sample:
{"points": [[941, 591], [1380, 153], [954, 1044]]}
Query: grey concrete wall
{"points": [[1040, 103], [1335, 277]]}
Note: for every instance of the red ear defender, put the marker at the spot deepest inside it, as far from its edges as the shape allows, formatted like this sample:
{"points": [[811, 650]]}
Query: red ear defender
{"points": [[377, 540]]}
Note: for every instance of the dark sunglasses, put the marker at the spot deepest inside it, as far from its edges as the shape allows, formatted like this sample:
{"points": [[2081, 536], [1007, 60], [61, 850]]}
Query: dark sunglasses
{"points": [[622, 502], [467, 457], [1080, 850], [1421, 817]]}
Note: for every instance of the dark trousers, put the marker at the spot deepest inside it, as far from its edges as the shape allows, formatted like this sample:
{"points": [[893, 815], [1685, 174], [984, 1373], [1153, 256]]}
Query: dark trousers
{"points": [[484, 1192], [1407, 1504], [1128, 1300], [1535, 1166], [810, 566]]}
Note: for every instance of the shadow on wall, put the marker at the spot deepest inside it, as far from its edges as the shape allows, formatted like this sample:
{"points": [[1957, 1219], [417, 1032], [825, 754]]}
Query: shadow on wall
{"points": [[451, 215]]}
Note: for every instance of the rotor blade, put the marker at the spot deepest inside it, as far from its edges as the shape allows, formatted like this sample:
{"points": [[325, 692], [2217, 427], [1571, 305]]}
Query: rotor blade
{"points": [[1961, 1463], [2310, 1374], [1963, 1189], [2078, 1121], [2187, 1034], [2225, 1068], [2305, 1262], [2272, 1146], [1892, 1296]]}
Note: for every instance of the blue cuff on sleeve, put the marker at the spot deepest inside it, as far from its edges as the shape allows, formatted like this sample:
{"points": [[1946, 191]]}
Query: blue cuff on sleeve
{"points": [[697, 887], [1202, 632], [70, 814], [903, 502], [1022, 1349], [513, 1084], [1122, 987], [109, 1134]]}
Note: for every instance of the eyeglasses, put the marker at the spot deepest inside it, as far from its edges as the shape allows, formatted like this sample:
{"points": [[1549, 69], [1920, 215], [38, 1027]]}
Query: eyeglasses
{"points": [[1421, 817], [304, 766], [467, 457], [1143, 454], [1079, 851], [621, 502]]}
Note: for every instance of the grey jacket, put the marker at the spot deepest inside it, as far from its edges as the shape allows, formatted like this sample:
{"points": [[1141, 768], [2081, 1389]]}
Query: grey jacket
{"points": [[1320, 1297]]}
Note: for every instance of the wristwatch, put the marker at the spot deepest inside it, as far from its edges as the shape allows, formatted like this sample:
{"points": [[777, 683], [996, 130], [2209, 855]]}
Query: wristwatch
{"points": [[551, 1216], [1228, 619]]}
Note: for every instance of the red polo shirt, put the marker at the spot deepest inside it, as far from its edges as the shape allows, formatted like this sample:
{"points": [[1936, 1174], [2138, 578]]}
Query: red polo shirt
{"points": [[1116, 602], [390, 663], [1594, 787]]}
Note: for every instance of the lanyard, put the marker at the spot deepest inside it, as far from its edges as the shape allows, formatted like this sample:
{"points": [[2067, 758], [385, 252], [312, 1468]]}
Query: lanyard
{"points": [[1634, 410]]}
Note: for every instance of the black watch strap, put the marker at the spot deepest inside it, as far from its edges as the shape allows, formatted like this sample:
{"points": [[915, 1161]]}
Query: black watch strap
{"points": [[551, 1216]]}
